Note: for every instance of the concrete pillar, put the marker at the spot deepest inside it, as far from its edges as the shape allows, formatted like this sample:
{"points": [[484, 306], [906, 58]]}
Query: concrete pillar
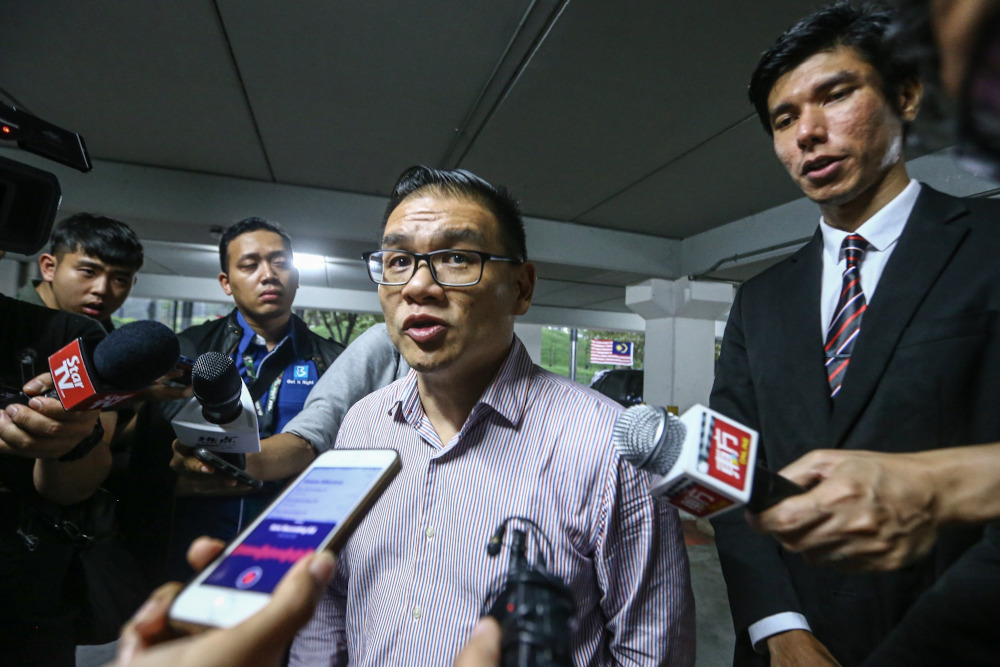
{"points": [[8, 277], [680, 337], [531, 336]]}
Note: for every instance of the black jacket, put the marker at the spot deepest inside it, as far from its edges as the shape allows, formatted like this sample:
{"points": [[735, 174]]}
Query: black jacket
{"points": [[36, 605], [224, 334]]}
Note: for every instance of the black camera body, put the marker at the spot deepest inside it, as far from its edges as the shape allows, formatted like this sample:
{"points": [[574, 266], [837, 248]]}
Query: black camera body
{"points": [[30, 197], [535, 611]]}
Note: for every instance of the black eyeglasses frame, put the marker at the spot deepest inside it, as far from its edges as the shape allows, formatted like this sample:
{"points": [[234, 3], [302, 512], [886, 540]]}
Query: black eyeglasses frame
{"points": [[426, 257]]}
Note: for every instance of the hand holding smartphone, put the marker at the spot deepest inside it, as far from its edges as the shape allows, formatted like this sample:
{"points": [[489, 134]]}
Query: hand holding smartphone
{"points": [[184, 365], [226, 468], [319, 510]]}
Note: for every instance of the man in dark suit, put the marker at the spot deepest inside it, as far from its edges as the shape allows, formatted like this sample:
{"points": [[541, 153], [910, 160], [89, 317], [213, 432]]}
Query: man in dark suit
{"points": [[878, 334]]}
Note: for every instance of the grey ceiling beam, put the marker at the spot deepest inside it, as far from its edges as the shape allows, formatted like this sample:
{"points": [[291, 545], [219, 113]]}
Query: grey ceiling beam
{"points": [[173, 205], [531, 32]]}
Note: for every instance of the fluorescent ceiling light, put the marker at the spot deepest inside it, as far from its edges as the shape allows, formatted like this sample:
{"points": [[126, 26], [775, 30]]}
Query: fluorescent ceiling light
{"points": [[308, 262]]}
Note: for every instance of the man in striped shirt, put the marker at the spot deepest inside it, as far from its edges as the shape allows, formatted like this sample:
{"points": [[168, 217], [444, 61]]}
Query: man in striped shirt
{"points": [[484, 434]]}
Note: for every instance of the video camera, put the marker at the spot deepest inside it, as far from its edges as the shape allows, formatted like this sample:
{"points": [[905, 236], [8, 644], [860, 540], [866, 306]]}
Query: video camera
{"points": [[535, 609], [30, 197]]}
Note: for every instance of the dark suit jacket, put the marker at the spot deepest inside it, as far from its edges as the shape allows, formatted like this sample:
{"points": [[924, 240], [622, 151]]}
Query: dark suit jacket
{"points": [[924, 373], [954, 623]]}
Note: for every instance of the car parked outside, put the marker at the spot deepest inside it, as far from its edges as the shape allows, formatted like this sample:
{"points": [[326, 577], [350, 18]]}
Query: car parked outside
{"points": [[621, 384]]}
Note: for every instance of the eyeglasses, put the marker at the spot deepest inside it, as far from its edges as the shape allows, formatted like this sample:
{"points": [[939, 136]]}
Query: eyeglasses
{"points": [[449, 268]]}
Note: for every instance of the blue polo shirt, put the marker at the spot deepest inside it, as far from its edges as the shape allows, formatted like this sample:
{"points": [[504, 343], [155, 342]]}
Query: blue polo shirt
{"points": [[287, 394]]}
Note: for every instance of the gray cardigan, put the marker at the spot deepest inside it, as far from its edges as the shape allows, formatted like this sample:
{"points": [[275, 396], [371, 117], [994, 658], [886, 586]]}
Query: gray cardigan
{"points": [[369, 363]]}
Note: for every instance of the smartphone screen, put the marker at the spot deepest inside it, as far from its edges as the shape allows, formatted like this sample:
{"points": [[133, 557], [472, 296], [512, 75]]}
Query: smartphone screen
{"points": [[318, 509], [295, 527], [185, 364]]}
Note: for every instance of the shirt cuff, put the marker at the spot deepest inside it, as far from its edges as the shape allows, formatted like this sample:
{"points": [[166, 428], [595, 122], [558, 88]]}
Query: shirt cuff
{"points": [[772, 625]]}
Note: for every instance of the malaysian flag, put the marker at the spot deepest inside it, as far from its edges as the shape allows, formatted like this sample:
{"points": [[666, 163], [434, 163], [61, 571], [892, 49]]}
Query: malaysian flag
{"points": [[610, 352]]}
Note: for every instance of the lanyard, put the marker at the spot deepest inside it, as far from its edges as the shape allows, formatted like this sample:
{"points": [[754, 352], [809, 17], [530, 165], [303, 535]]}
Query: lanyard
{"points": [[265, 411]]}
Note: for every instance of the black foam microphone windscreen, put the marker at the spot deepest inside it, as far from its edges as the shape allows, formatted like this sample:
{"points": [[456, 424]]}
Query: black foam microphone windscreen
{"points": [[135, 354], [217, 386]]}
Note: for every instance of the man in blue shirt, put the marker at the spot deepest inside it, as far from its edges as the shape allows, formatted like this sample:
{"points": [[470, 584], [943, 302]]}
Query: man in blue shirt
{"points": [[278, 358]]}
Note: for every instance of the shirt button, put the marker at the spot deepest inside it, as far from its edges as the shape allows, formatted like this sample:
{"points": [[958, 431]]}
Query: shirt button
{"points": [[429, 532], [415, 613]]}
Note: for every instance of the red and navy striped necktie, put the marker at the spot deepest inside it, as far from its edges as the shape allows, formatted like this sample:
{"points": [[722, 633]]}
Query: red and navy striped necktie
{"points": [[846, 323]]}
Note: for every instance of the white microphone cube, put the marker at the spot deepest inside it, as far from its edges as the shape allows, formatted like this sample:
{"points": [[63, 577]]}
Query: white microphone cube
{"points": [[239, 436], [714, 471]]}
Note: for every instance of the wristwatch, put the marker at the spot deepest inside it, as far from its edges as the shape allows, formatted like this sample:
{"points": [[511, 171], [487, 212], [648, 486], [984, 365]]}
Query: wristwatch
{"points": [[84, 446]]}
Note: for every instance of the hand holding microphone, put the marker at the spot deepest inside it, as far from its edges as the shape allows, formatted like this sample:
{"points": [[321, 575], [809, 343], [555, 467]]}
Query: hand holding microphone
{"points": [[52, 415], [703, 462], [119, 367], [41, 428], [876, 511], [218, 426]]}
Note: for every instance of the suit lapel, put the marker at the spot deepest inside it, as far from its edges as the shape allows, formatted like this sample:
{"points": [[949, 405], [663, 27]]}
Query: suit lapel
{"points": [[799, 341], [929, 240]]}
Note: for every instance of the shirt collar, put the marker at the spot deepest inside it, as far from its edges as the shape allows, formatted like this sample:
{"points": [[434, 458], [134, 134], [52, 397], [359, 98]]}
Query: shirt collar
{"points": [[506, 395], [251, 337], [881, 230]]}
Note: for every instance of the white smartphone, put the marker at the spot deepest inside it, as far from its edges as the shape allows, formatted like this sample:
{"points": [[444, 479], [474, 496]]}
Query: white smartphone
{"points": [[319, 510]]}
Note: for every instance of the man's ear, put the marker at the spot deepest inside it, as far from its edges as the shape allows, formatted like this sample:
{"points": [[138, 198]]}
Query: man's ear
{"points": [[47, 264], [224, 281], [525, 283], [910, 96]]}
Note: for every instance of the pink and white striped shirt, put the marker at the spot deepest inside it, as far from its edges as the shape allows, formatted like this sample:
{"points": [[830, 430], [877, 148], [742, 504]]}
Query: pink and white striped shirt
{"points": [[415, 576]]}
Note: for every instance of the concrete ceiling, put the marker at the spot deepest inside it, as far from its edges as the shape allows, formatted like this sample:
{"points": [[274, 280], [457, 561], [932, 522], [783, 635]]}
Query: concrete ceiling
{"points": [[622, 127]]}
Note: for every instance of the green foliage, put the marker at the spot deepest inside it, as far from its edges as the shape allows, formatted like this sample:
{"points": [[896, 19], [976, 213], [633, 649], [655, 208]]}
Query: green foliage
{"points": [[340, 326]]}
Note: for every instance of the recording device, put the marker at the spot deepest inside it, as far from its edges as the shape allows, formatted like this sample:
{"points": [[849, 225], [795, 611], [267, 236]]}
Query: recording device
{"points": [[99, 376], [535, 609], [227, 468], [43, 138], [319, 510], [221, 417], [30, 197], [185, 365], [702, 462]]}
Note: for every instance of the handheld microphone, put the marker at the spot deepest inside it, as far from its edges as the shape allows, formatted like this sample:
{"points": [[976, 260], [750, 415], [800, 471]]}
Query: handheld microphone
{"points": [[217, 386], [130, 358], [702, 462], [221, 417]]}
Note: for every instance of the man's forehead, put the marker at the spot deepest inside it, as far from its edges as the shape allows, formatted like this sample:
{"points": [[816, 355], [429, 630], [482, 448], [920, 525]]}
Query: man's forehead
{"points": [[430, 202], [80, 257], [820, 69], [441, 234], [256, 242], [431, 213], [265, 252]]}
